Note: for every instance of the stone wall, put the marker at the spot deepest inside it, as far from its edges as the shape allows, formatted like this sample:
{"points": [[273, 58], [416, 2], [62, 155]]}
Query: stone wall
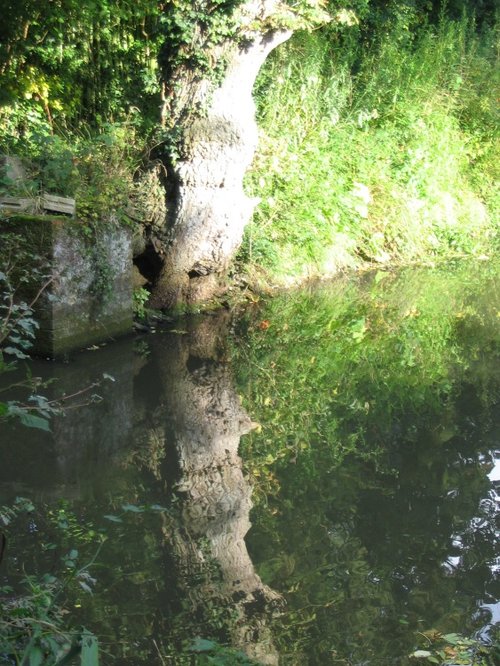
{"points": [[89, 298]]}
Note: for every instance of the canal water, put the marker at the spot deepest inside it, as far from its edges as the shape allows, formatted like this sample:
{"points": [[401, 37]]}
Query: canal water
{"points": [[314, 480]]}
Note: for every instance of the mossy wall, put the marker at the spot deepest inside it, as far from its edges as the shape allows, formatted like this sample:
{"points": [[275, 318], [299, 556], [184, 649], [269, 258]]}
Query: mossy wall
{"points": [[89, 298]]}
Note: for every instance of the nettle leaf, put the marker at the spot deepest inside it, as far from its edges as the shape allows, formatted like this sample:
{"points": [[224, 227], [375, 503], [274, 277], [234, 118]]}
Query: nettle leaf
{"points": [[43, 406], [28, 324], [37, 422], [27, 419]]}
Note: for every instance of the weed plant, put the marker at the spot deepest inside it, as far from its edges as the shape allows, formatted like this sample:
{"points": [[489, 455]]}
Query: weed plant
{"points": [[377, 152]]}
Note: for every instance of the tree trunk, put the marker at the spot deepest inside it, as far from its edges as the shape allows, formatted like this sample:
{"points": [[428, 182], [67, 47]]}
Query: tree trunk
{"points": [[208, 208]]}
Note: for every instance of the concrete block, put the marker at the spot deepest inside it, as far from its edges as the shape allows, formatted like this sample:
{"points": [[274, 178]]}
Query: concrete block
{"points": [[89, 299]]}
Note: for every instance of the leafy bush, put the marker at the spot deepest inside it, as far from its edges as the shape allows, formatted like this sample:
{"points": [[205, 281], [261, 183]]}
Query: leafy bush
{"points": [[32, 621], [95, 167], [376, 149]]}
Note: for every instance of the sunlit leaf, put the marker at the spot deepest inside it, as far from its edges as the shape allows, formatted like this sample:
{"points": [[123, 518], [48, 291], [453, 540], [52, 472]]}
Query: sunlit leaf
{"points": [[29, 420], [158, 507], [85, 586], [113, 519], [132, 508], [452, 638]]}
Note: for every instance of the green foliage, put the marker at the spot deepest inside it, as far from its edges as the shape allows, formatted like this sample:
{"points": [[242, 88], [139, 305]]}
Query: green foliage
{"points": [[140, 297], [376, 147], [21, 269], [96, 168], [74, 61], [199, 39], [191, 30], [374, 397], [32, 623], [24, 277]]}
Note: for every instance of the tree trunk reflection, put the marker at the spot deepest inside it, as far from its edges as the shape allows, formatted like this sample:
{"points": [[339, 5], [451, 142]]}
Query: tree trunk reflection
{"points": [[205, 421]]}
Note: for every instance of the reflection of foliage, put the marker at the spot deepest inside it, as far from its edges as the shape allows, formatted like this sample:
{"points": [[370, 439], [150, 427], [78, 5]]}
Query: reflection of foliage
{"points": [[453, 649], [209, 652], [370, 550], [57, 596], [33, 626], [21, 270], [394, 379], [355, 361]]}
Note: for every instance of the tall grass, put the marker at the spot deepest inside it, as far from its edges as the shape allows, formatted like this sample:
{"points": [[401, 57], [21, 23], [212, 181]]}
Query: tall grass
{"points": [[396, 161]]}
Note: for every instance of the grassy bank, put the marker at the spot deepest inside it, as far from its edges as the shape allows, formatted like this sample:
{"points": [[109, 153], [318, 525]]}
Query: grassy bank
{"points": [[380, 152]]}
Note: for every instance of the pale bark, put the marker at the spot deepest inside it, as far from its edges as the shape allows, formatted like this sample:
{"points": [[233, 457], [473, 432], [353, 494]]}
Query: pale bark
{"points": [[208, 206], [204, 422]]}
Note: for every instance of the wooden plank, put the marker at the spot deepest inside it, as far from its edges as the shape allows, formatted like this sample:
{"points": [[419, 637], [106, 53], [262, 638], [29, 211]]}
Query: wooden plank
{"points": [[58, 204], [15, 203]]}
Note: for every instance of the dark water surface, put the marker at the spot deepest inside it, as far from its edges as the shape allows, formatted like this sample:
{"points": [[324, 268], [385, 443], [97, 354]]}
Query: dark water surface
{"points": [[316, 482]]}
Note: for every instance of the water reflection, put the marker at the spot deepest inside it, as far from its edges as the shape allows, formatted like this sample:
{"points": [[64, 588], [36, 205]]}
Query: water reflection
{"points": [[398, 534], [166, 428], [367, 550], [204, 422]]}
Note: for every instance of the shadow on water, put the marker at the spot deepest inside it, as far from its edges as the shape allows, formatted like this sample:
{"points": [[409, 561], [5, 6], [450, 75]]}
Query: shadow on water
{"points": [[164, 431], [371, 484]]}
